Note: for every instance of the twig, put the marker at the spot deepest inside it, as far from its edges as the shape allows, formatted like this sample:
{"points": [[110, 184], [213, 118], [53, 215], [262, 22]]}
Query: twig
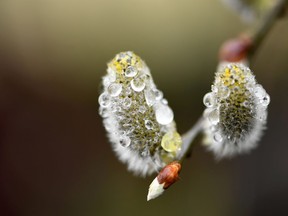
{"points": [[244, 46], [265, 26], [188, 138]]}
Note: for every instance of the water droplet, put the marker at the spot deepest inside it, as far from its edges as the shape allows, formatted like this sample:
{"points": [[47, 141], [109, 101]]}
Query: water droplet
{"points": [[247, 93], [110, 77], [171, 142], [218, 81], [124, 141], [115, 89], [130, 53], [251, 79], [250, 86], [103, 112], [126, 103], [217, 137], [158, 94], [131, 71], [156, 138], [106, 81], [128, 90], [115, 108], [164, 114], [104, 100], [224, 92], [214, 88], [138, 83], [245, 103], [214, 117], [142, 109], [259, 92], [213, 128], [109, 124], [129, 130], [149, 124], [247, 70], [265, 100], [111, 74], [145, 153], [121, 56], [209, 99], [230, 66], [149, 97], [164, 101], [108, 127]]}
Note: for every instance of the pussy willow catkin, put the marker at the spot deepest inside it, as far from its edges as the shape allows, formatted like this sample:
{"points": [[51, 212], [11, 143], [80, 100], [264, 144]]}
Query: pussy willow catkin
{"points": [[236, 111], [138, 120]]}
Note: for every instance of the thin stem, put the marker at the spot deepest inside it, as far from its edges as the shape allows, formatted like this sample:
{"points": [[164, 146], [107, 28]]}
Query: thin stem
{"points": [[188, 138], [265, 26]]}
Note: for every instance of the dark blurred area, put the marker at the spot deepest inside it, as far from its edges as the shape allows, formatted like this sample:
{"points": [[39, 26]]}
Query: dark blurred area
{"points": [[54, 155]]}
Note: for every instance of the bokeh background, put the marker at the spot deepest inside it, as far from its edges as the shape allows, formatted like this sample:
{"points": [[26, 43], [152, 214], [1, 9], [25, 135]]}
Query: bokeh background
{"points": [[54, 156]]}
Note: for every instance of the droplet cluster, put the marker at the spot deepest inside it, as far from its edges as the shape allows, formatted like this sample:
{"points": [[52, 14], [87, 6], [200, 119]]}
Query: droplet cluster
{"points": [[136, 116], [236, 111]]}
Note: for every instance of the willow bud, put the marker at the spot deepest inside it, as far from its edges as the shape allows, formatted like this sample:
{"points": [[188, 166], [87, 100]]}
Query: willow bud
{"points": [[166, 177], [137, 118], [236, 111]]}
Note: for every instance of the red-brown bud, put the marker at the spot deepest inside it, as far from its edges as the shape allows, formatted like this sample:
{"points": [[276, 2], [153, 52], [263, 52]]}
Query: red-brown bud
{"points": [[235, 50], [169, 174]]}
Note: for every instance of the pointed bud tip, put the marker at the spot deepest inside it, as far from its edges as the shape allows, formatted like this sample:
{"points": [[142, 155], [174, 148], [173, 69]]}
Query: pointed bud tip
{"points": [[155, 189]]}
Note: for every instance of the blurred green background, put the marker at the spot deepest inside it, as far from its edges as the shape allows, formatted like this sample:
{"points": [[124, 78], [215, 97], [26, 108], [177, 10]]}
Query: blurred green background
{"points": [[54, 155]]}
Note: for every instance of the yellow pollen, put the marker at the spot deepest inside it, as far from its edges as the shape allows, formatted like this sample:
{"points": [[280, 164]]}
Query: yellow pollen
{"points": [[125, 59]]}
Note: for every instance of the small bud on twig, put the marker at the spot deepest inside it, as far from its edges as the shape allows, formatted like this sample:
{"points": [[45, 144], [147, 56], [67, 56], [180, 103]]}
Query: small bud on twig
{"points": [[166, 177], [236, 49]]}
